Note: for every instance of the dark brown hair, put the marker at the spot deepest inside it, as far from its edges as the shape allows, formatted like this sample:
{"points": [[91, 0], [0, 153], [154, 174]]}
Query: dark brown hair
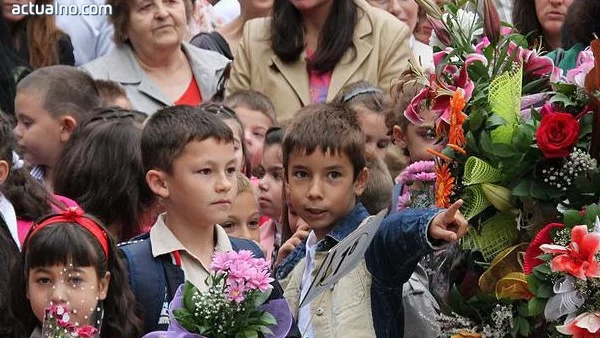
{"points": [[109, 92], [170, 129], [101, 168], [287, 34], [331, 128], [40, 34], [525, 20], [581, 22], [363, 94], [253, 100], [65, 90], [402, 94]]}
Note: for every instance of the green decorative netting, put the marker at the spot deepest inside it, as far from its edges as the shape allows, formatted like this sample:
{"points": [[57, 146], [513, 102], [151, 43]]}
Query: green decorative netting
{"points": [[505, 99], [475, 201], [497, 234], [478, 171]]}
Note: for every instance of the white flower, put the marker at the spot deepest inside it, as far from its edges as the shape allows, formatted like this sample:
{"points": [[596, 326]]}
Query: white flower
{"points": [[467, 22]]}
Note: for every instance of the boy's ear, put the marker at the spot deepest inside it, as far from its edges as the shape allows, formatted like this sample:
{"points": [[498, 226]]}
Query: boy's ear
{"points": [[361, 182], [398, 136], [4, 171], [157, 183], [103, 286], [67, 126]]}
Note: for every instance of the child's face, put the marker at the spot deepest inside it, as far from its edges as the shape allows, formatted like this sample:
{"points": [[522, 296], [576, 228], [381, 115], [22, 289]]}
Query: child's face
{"points": [[39, 135], [376, 133], [79, 288], [202, 185], [237, 143], [256, 125], [243, 217], [322, 188], [417, 138], [271, 184]]}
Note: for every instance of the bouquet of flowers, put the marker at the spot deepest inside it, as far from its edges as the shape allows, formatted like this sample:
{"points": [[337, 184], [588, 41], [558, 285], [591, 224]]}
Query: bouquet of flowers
{"points": [[417, 182], [234, 306], [563, 273], [58, 324], [518, 137]]}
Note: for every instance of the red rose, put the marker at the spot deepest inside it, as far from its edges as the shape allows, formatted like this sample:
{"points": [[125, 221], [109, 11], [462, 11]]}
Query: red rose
{"points": [[557, 134], [87, 331]]}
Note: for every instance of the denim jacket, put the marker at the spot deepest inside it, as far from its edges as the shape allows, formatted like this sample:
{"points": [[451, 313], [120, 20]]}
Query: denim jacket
{"points": [[390, 260]]}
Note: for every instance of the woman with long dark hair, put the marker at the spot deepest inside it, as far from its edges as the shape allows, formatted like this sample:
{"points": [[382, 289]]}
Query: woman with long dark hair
{"points": [[310, 49], [36, 37], [12, 68], [541, 21]]}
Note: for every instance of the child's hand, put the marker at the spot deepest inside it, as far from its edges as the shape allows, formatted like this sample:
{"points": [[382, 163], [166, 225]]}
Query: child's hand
{"points": [[291, 244], [450, 225]]}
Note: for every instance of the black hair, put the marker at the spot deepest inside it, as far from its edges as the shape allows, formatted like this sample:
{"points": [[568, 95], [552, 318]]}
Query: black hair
{"points": [[65, 90], [169, 130], [101, 168], [253, 100], [70, 243], [287, 34], [274, 136], [12, 69]]}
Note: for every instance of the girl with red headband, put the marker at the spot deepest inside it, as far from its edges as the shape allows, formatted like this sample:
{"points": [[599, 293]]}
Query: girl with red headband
{"points": [[69, 262]]}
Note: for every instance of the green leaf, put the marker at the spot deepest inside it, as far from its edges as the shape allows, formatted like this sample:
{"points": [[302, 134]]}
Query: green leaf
{"points": [[545, 291], [268, 319], [524, 326], [572, 218], [247, 333], [494, 121], [486, 143], [544, 269], [564, 100], [522, 189], [262, 297], [533, 283], [536, 306], [476, 119]]}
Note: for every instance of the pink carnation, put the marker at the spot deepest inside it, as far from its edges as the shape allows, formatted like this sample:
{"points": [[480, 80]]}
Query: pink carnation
{"points": [[87, 331]]}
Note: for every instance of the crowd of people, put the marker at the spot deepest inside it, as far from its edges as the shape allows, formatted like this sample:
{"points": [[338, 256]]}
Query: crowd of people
{"points": [[179, 129]]}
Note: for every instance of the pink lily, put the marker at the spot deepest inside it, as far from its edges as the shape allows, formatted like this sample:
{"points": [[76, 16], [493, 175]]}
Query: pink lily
{"points": [[579, 258]]}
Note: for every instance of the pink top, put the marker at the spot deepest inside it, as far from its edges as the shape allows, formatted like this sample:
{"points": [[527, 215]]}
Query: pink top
{"points": [[23, 226], [318, 83]]}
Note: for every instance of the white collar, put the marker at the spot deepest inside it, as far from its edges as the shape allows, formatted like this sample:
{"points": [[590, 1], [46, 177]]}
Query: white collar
{"points": [[7, 211]]}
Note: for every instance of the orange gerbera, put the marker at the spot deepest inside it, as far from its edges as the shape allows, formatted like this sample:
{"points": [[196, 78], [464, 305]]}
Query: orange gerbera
{"points": [[444, 184], [456, 134]]}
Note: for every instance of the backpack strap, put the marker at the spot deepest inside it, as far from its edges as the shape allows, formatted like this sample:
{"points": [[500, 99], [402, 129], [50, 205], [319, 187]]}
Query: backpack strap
{"points": [[238, 244], [148, 280]]}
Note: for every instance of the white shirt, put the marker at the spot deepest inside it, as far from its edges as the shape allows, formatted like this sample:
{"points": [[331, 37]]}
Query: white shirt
{"points": [[7, 212], [227, 10], [305, 315], [91, 35]]}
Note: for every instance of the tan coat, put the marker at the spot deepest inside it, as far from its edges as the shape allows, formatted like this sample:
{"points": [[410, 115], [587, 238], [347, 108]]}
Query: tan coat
{"points": [[380, 40], [342, 311]]}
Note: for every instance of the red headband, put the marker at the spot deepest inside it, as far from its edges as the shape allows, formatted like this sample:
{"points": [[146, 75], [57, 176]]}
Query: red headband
{"points": [[77, 216]]}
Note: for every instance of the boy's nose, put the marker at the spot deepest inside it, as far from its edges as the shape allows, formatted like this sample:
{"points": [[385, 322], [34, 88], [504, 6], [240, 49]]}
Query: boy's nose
{"points": [[315, 190], [244, 231]]}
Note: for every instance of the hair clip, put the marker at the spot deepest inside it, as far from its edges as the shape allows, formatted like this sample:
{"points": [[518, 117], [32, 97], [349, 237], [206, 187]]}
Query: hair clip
{"points": [[17, 162], [359, 91]]}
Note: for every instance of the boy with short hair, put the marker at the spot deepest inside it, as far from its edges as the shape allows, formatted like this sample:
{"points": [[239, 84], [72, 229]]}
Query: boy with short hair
{"points": [[324, 160], [190, 164], [112, 94], [257, 113], [49, 104]]}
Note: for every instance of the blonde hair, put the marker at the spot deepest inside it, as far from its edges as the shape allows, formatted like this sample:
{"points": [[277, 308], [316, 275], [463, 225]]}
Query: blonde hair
{"points": [[243, 184]]}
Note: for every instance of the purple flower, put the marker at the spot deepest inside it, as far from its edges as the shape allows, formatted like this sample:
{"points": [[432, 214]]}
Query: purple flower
{"points": [[222, 261], [425, 177], [235, 292], [403, 200], [260, 280]]}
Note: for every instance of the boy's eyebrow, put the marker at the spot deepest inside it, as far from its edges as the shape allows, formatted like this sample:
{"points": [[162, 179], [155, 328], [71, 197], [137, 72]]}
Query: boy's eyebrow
{"points": [[41, 269], [335, 167]]}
